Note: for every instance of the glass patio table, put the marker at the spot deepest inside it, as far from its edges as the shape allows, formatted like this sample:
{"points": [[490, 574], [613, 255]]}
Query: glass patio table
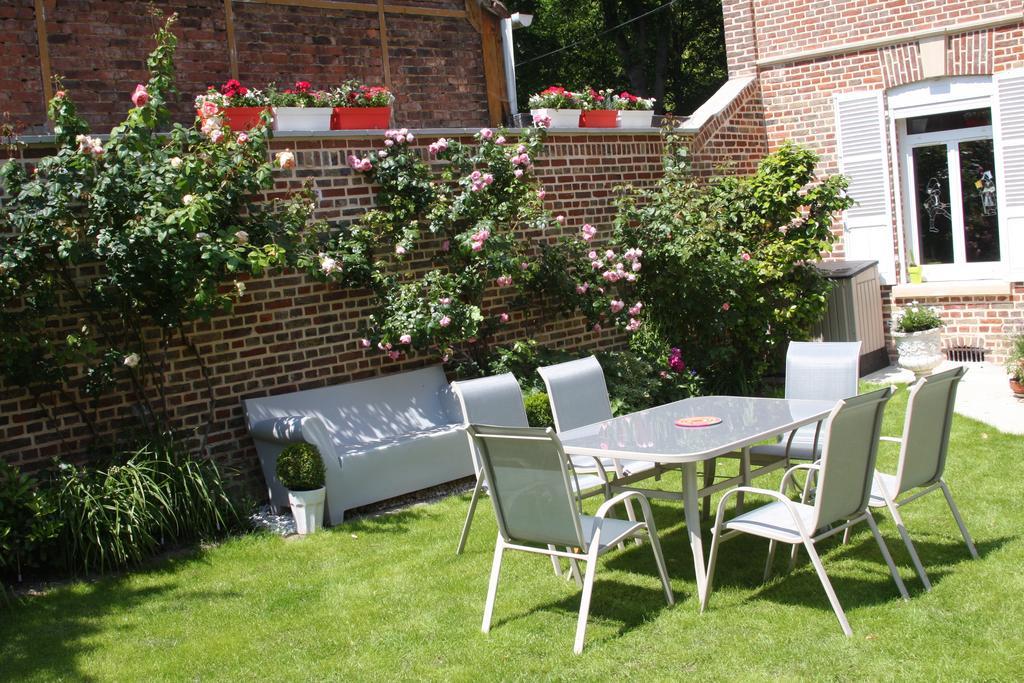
{"points": [[652, 435]]}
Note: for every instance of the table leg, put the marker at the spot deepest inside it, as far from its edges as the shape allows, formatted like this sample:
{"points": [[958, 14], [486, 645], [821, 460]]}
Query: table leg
{"points": [[745, 476], [691, 511]]}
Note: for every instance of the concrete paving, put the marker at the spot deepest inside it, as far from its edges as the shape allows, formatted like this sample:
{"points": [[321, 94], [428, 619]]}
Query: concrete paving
{"points": [[984, 393]]}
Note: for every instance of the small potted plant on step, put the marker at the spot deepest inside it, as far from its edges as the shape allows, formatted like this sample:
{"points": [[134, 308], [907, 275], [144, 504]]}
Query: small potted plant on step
{"points": [[300, 469], [917, 331], [1015, 365]]}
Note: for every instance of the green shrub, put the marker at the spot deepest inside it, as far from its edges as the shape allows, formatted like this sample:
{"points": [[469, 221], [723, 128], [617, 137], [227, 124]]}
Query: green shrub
{"points": [[300, 467], [28, 523], [538, 410], [522, 359], [917, 318], [119, 515], [1015, 359], [728, 272]]}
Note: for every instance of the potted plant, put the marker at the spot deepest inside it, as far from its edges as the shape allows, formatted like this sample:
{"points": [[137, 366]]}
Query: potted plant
{"points": [[240, 108], [634, 112], [301, 107], [1015, 365], [597, 111], [562, 107], [917, 331], [300, 469], [914, 273], [361, 107]]}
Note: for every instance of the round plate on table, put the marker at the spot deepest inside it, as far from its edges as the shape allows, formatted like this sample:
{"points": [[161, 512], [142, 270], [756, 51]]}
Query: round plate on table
{"points": [[698, 421]]}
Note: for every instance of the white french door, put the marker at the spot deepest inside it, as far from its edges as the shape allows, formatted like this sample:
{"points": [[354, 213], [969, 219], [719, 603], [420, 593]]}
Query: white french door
{"points": [[950, 195]]}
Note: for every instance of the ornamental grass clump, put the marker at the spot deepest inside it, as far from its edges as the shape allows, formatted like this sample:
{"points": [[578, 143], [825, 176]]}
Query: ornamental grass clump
{"points": [[300, 467], [917, 318]]}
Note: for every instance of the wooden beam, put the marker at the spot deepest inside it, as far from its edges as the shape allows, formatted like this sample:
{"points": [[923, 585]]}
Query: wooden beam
{"points": [[473, 14], [44, 51], [385, 62], [229, 22], [494, 68], [366, 7]]}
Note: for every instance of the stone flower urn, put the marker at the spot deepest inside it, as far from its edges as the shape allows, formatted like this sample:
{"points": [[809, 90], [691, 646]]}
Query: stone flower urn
{"points": [[919, 352]]}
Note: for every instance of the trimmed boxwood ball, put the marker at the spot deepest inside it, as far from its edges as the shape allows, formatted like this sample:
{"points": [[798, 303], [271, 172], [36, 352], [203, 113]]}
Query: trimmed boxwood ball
{"points": [[300, 468], [538, 410]]}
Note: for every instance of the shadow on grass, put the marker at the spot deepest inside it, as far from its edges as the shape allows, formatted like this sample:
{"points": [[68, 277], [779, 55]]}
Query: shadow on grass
{"points": [[626, 603], [47, 636], [394, 522]]}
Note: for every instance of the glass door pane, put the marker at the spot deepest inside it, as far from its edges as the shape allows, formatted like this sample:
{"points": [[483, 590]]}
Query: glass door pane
{"points": [[931, 196], [978, 185]]}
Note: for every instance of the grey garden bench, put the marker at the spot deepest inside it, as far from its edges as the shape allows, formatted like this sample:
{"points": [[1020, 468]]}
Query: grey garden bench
{"points": [[379, 438]]}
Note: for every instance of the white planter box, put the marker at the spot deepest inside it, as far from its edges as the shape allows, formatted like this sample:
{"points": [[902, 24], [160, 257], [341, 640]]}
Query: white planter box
{"points": [[302, 118], [919, 352], [635, 119], [308, 510], [560, 118]]}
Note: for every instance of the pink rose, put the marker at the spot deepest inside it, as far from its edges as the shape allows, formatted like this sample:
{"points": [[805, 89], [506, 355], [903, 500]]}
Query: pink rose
{"points": [[504, 280], [617, 305], [400, 250], [242, 138], [208, 109], [140, 97], [582, 289], [405, 339], [394, 355], [444, 301], [445, 321], [560, 218], [382, 154], [389, 142], [633, 325], [745, 256], [541, 194], [588, 231], [725, 306], [518, 173], [446, 246], [477, 246], [500, 141], [216, 136], [596, 328], [486, 133], [635, 309], [504, 317], [365, 343]]}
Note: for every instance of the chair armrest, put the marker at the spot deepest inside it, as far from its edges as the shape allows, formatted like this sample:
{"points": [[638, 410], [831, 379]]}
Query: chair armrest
{"points": [[763, 492], [606, 506], [788, 476], [597, 463]]}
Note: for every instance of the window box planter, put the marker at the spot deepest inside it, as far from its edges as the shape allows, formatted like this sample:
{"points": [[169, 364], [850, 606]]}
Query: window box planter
{"points": [[360, 118], [560, 118], [302, 118], [633, 118], [243, 118], [919, 352], [599, 118]]}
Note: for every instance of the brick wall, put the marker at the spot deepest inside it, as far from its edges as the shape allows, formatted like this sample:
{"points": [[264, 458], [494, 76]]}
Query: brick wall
{"points": [[290, 332], [100, 48], [735, 140]]}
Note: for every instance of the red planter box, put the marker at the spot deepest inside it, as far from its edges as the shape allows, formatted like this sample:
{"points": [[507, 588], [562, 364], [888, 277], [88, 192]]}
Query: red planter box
{"points": [[360, 118], [599, 118], [243, 118]]}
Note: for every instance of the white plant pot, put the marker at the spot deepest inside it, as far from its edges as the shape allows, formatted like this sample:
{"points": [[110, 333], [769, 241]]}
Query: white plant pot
{"points": [[302, 118], [919, 352], [308, 510], [560, 118], [635, 119]]}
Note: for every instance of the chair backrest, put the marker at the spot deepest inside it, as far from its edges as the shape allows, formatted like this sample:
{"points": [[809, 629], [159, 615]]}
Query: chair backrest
{"points": [[926, 429], [577, 392], [530, 485], [848, 459], [821, 371], [494, 400]]}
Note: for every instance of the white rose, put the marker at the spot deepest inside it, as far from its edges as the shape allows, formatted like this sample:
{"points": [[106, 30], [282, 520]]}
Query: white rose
{"points": [[187, 199], [175, 162], [131, 360], [242, 236], [240, 286]]}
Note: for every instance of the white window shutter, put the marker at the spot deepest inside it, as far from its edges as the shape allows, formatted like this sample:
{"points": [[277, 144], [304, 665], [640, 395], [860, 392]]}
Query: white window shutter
{"points": [[864, 160], [1008, 133]]}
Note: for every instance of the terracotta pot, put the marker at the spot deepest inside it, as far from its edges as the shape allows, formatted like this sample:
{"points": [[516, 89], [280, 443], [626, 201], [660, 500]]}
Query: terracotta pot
{"points": [[360, 118], [599, 118], [919, 352], [1017, 388]]}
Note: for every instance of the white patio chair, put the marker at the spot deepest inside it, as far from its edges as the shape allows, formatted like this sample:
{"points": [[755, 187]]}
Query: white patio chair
{"points": [[922, 457], [498, 400], [579, 396], [844, 476], [816, 371], [534, 502]]}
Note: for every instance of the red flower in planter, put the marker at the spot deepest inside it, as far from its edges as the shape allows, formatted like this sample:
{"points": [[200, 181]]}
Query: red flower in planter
{"points": [[302, 86]]}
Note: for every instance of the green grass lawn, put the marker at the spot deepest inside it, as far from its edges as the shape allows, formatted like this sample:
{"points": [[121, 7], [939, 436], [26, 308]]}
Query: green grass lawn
{"points": [[386, 598]]}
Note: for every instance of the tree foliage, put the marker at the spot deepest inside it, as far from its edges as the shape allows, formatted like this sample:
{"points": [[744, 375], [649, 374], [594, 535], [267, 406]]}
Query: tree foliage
{"points": [[676, 54]]}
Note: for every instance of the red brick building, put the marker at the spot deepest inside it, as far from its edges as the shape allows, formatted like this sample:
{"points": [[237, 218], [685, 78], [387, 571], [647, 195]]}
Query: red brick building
{"points": [[921, 104]]}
